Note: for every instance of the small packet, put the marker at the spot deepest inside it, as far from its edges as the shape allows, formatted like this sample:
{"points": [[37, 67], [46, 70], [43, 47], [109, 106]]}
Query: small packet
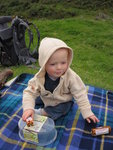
{"points": [[101, 130], [29, 121]]}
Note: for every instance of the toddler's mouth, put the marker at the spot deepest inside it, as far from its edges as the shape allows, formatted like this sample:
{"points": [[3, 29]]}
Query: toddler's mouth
{"points": [[60, 72]]}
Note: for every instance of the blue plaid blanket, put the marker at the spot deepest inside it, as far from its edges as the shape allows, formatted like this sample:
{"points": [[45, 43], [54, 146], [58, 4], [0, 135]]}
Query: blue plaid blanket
{"points": [[74, 133]]}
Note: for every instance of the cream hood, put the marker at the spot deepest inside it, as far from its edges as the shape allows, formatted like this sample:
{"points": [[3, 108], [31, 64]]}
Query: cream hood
{"points": [[48, 46]]}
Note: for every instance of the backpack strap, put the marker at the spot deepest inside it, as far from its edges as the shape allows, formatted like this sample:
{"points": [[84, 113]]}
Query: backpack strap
{"points": [[26, 27], [19, 27], [35, 51]]}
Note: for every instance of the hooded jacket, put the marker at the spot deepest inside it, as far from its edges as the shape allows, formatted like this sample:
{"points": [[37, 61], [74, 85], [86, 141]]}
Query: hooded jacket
{"points": [[70, 84]]}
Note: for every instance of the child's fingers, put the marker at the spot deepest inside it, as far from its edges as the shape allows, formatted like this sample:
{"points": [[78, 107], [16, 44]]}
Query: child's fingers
{"points": [[88, 120], [93, 118], [25, 116], [32, 116], [28, 113], [97, 120]]}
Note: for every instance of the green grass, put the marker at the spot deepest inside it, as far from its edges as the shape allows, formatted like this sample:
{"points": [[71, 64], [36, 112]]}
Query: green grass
{"points": [[92, 43]]}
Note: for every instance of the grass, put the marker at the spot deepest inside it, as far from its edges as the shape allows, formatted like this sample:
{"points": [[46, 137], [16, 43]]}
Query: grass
{"points": [[92, 43]]}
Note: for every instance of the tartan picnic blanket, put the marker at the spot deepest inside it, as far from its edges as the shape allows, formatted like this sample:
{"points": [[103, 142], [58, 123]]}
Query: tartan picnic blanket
{"points": [[73, 132]]}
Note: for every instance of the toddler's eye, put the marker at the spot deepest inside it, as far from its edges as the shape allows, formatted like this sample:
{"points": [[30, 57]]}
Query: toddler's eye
{"points": [[52, 64], [63, 62]]}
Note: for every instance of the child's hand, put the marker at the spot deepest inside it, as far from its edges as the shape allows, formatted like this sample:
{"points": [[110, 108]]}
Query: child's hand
{"points": [[28, 113], [92, 118]]}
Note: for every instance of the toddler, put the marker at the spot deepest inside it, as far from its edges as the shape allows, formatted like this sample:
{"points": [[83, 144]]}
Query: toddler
{"points": [[56, 84]]}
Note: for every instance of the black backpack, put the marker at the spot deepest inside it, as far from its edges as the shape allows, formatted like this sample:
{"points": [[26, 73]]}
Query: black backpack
{"points": [[13, 47]]}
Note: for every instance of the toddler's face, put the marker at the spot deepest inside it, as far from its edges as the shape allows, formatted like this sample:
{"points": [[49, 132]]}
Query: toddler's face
{"points": [[57, 63]]}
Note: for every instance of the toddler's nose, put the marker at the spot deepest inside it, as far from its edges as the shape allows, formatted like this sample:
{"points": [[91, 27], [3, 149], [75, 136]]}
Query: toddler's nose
{"points": [[58, 66]]}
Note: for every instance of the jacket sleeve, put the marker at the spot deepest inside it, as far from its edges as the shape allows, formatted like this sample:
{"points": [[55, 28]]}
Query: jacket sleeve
{"points": [[79, 93], [30, 94]]}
